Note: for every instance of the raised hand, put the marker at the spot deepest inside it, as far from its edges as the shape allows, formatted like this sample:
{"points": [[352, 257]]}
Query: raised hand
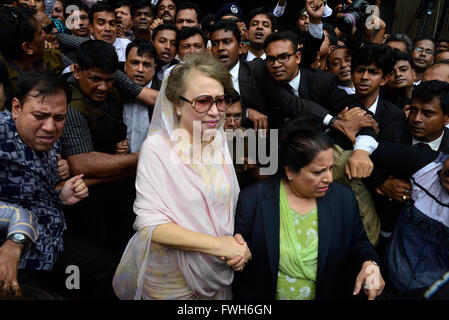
{"points": [[315, 9]]}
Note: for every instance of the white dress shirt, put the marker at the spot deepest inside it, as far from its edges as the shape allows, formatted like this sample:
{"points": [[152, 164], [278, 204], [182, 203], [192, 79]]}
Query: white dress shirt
{"points": [[235, 76], [435, 144], [294, 83], [348, 90], [250, 56]]}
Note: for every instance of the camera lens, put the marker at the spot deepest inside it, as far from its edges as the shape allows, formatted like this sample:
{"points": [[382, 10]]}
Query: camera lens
{"points": [[346, 22]]}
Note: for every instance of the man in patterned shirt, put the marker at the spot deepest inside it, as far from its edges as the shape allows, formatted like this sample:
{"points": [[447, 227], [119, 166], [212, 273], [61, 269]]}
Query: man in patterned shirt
{"points": [[29, 173]]}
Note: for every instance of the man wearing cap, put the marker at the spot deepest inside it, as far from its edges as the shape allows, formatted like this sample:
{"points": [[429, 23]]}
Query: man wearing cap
{"points": [[290, 18], [232, 11]]}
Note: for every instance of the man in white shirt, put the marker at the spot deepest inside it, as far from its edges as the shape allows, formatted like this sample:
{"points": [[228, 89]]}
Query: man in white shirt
{"points": [[140, 67], [103, 26], [164, 39], [339, 63], [261, 23]]}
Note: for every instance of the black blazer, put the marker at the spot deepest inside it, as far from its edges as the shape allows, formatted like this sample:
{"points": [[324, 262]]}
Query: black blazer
{"points": [[386, 114], [398, 132], [342, 238], [322, 88], [260, 91]]}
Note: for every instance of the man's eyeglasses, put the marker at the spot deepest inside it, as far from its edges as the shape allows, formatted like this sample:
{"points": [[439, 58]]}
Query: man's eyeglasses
{"points": [[235, 117], [48, 29], [420, 50], [282, 58], [202, 104]]}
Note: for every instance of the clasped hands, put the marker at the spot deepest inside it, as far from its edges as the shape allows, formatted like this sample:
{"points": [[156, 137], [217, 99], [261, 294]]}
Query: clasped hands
{"points": [[235, 252]]}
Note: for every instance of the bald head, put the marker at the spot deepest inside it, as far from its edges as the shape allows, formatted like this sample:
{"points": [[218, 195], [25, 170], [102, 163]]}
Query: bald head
{"points": [[444, 55], [439, 71]]}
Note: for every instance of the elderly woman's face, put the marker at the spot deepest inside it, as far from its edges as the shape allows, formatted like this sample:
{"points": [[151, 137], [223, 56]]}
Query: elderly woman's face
{"points": [[198, 84], [313, 180]]}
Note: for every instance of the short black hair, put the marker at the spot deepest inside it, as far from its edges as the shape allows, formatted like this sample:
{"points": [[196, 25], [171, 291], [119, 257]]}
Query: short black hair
{"points": [[8, 2], [164, 26], [76, 3], [283, 35], [227, 25], [160, 1], [122, 3], [190, 5], [139, 4], [99, 7], [300, 142], [333, 39], [143, 47], [442, 40], [97, 53], [45, 82], [186, 33], [381, 55], [235, 97], [206, 24], [399, 55], [429, 90], [17, 25], [266, 12]]}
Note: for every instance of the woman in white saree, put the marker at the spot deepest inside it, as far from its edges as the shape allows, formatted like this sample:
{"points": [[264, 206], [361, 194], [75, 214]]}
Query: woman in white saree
{"points": [[186, 193]]}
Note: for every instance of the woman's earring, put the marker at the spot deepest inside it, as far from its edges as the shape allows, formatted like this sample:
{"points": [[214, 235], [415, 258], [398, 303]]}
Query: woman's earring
{"points": [[178, 113]]}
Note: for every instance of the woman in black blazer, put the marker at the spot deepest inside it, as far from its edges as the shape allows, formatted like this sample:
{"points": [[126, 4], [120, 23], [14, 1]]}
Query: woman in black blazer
{"points": [[312, 263]]}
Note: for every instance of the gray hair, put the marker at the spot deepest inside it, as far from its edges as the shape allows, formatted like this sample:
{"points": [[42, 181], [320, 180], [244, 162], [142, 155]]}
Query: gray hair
{"points": [[402, 38], [206, 64]]}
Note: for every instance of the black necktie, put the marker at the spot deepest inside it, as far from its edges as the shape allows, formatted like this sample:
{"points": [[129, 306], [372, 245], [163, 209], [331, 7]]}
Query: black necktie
{"points": [[423, 145], [290, 88]]}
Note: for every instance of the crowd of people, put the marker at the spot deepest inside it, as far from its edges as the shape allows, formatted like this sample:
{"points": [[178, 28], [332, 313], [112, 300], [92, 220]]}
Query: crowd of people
{"points": [[136, 139]]}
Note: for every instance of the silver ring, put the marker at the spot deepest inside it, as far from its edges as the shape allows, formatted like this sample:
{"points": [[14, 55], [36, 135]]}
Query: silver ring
{"points": [[404, 197]]}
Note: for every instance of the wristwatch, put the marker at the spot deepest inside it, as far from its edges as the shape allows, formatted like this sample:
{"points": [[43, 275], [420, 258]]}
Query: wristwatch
{"points": [[374, 262], [331, 122], [20, 238]]}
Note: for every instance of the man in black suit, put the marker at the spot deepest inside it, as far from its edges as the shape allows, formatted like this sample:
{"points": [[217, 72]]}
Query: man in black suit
{"points": [[399, 88], [425, 127], [371, 68], [226, 46], [263, 99], [426, 123]]}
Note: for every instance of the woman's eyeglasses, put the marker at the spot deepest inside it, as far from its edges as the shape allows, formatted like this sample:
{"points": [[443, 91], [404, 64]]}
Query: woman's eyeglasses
{"points": [[202, 104]]}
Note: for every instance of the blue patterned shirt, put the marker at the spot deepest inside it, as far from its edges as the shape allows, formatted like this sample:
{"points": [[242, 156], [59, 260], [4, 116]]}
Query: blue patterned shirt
{"points": [[28, 178]]}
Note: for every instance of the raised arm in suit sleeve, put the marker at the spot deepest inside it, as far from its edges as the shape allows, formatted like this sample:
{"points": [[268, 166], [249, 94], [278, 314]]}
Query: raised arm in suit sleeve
{"points": [[401, 160]]}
